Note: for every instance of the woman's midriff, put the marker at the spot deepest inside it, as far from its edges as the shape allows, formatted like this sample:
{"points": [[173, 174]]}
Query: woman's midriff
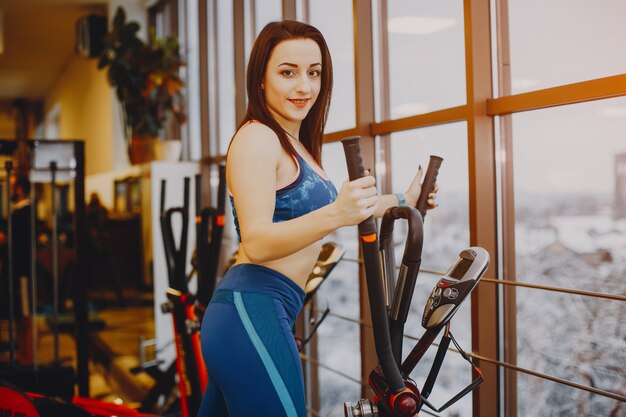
{"points": [[297, 266]]}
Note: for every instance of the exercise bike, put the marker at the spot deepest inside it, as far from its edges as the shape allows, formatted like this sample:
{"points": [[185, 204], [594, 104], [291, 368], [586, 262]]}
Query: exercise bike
{"points": [[395, 394]]}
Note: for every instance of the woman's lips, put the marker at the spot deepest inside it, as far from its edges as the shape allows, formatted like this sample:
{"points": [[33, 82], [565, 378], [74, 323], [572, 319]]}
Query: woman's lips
{"points": [[299, 102]]}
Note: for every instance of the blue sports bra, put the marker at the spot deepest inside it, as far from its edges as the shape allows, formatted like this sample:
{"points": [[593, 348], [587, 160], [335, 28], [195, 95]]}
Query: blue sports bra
{"points": [[308, 192]]}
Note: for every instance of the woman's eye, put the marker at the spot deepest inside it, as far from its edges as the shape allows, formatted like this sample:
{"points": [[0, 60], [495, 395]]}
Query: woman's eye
{"points": [[287, 73], [314, 73]]}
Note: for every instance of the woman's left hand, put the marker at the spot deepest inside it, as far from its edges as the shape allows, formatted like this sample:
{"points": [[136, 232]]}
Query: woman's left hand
{"points": [[413, 192]]}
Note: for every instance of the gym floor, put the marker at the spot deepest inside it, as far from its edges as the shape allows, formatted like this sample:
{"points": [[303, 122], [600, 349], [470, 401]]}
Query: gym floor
{"points": [[113, 349]]}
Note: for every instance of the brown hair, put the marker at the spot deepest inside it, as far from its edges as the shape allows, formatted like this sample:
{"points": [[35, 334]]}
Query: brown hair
{"points": [[312, 128]]}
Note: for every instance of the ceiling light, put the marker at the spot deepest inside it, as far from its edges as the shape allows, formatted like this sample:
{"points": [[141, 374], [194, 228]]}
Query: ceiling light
{"points": [[612, 112], [523, 83], [410, 109], [417, 25]]}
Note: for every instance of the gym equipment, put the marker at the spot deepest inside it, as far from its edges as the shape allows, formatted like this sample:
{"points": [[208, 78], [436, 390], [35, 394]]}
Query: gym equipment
{"points": [[189, 363], [208, 242], [18, 403], [209, 229], [51, 162], [329, 256], [395, 394], [9, 169]]}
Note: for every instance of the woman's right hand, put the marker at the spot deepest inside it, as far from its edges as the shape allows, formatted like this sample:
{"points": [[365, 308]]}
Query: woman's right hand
{"points": [[356, 201]]}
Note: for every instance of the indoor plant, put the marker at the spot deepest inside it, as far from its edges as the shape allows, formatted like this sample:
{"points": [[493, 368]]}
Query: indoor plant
{"points": [[146, 79]]}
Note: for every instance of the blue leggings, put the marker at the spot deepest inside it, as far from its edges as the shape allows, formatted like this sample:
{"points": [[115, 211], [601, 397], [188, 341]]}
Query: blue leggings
{"points": [[248, 346]]}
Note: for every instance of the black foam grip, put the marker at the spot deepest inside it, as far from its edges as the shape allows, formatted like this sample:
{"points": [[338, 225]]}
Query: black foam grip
{"points": [[356, 170], [428, 185]]}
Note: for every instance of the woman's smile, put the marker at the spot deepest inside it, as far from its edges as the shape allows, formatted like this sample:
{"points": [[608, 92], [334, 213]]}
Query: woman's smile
{"points": [[299, 102]]}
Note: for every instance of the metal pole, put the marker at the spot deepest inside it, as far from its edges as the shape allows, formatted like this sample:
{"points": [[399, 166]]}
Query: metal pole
{"points": [[55, 262], [33, 273], [9, 167]]}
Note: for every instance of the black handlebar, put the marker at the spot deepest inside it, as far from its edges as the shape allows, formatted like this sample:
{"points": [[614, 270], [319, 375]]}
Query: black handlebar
{"points": [[373, 275], [428, 184], [175, 257]]}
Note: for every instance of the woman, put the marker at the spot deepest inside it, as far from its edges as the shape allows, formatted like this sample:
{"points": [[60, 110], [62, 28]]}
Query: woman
{"points": [[283, 205]]}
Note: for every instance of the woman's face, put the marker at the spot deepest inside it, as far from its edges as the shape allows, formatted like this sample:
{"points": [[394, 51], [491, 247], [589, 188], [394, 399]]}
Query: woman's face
{"points": [[292, 81]]}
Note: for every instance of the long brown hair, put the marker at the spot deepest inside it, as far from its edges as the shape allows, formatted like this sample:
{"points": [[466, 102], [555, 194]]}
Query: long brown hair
{"points": [[312, 127]]}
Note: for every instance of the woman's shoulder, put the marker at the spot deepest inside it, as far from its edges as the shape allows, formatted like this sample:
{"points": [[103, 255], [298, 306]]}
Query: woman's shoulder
{"points": [[255, 138]]}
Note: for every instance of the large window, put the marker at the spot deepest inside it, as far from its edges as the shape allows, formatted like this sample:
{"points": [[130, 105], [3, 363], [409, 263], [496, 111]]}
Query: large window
{"points": [[569, 234]]}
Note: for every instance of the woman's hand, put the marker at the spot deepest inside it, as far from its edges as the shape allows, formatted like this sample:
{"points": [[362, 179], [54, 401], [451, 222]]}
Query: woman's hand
{"points": [[412, 194], [356, 201]]}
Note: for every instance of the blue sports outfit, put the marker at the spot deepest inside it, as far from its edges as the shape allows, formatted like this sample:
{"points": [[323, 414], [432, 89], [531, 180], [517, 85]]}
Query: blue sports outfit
{"points": [[306, 193], [247, 341]]}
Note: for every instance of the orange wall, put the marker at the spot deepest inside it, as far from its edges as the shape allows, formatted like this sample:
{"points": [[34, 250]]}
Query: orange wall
{"points": [[84, 97]]}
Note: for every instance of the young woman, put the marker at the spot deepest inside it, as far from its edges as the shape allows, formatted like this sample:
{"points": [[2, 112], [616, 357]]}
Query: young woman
{"points": [[283, 205]]}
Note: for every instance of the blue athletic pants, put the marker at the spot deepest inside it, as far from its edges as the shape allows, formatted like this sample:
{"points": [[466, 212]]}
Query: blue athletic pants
{"points": [[248, 346]]}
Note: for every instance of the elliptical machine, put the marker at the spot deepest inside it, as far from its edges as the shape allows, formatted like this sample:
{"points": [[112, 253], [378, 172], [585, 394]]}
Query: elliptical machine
{"points": [[395, 394]]}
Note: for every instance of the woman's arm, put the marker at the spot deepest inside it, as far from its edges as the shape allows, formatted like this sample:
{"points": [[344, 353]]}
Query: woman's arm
{"points": [[254, 160], [411, 195]]}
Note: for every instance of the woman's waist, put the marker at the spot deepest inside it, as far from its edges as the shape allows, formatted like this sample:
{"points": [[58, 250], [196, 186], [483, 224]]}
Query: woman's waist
{"points": [[260, 279], [296, 267]]}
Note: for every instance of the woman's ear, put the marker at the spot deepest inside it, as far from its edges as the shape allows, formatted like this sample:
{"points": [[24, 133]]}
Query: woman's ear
{"points": [[262, 86]]}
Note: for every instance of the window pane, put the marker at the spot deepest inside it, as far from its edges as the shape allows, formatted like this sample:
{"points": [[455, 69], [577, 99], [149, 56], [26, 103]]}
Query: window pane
{"points": [[570, 233], [337, 28], [588, 35], [446, 228], [226, 80], [565, 189], [426, 56], [267, 11], [338, 339], [446, 233], [579, 339]]}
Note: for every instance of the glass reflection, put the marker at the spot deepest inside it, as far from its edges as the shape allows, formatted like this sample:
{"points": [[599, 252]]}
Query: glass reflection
{"points": [[426, 56]]}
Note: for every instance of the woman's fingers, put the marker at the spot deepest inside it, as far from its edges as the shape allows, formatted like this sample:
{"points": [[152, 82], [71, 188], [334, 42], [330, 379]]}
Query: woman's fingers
{"points": [[357, 200], [364, 182], [432, 203]]}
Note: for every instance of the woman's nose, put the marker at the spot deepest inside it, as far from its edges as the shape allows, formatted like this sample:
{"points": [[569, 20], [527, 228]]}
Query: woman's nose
{"points": [[304, 85]]}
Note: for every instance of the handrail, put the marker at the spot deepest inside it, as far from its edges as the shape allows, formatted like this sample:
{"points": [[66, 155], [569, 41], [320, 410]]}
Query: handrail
{"points": [[603, 393], [544, 287], [526, 285], [333, 370]]}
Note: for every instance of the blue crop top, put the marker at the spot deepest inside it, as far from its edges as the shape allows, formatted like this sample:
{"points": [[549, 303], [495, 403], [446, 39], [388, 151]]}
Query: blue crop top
{"points": [[308, 192]]}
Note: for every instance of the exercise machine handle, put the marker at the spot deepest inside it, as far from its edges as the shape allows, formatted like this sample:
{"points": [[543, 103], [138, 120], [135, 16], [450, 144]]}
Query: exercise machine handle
{"points": [[428, 185], [373, 275]]}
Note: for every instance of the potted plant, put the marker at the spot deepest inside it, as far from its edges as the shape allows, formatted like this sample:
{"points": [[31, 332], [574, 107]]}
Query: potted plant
{"points": [[147, 83]]}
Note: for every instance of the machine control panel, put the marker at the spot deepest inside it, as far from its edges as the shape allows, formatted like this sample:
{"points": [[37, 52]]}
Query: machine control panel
{"points": [[455, 286]]}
